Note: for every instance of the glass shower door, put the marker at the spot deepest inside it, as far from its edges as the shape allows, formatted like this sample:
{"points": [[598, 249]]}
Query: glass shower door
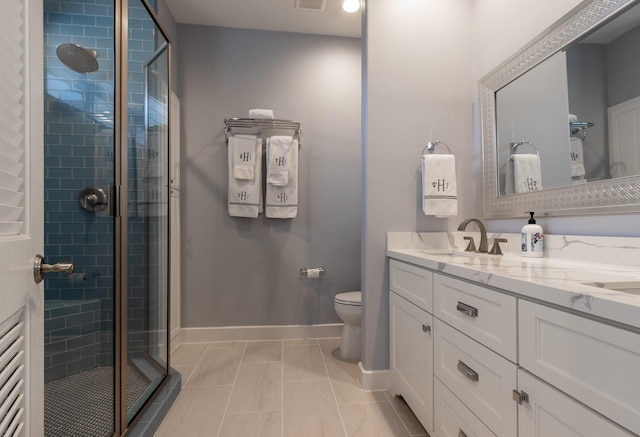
{"points": [[79, 171], [148, 215]]}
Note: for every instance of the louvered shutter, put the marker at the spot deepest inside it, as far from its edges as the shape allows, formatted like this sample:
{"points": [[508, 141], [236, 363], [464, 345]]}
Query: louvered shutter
{"points": [[12, 118], [12, 383]]}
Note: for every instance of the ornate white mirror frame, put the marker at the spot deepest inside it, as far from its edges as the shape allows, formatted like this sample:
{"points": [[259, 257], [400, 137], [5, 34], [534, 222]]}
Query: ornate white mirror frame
{"points": [[606, 196]]}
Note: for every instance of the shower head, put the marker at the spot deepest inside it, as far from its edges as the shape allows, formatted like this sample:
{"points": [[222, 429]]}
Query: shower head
{"points": [[78, 58]]}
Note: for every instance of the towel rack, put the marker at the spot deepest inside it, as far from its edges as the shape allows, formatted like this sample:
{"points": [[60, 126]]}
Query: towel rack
{"points": [[579, 126], [259, 124], [514, 148], [431, 146]]}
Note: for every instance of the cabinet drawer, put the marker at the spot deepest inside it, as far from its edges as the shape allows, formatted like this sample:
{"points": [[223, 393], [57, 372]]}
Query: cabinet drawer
{"points": [[413, 283], [411, 357], [483, 380], [453, 419], [549, 412], [594, 362], [483, 314]]}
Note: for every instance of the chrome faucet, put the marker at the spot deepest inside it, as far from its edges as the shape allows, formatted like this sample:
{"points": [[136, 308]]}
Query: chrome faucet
{"points": [[484, 245]]}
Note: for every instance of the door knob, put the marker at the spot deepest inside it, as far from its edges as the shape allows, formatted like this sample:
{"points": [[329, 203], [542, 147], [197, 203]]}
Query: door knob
{"points": [[40, 268]]}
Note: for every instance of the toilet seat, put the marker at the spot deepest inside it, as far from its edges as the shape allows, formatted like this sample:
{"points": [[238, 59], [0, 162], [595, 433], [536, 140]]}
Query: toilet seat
{"points": [[351, 298]]}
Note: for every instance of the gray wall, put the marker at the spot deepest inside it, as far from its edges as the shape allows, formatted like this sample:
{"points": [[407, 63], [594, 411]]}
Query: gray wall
{"points": [[244, 272], [624, 67], [419, 88]]}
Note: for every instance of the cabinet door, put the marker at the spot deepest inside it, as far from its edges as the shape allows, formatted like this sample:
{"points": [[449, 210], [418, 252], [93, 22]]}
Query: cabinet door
{"points": [[549, 412], [411, 367], [591, 361]]}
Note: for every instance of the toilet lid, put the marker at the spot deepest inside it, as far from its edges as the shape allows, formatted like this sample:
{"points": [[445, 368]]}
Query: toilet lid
{"points": [[349, 298]]}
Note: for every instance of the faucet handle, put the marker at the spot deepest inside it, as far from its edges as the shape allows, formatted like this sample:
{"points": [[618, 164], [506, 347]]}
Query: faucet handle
{"points": [[471, 246], [495, 250]]}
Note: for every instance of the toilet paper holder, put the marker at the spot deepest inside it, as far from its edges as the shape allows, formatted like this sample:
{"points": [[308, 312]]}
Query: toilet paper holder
{"points": [[312, 273]]}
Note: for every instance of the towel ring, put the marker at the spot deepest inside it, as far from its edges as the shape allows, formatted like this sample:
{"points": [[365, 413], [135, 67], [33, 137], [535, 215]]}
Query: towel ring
{"points": [[514, 147], [431, 146]]}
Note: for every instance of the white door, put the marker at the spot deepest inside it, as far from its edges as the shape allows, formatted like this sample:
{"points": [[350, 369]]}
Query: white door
{"points": [[21, 219], [624, 138]]}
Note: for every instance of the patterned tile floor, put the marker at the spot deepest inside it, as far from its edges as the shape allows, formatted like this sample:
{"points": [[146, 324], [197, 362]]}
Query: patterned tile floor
{"points": [[81, 405], [290, 388]]}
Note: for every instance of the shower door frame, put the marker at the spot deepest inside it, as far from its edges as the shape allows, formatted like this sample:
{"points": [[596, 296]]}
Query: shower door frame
{"points": [[121, 130]]}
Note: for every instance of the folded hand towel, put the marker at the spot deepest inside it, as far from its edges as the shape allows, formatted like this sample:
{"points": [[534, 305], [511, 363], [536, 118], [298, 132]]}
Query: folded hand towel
{"points": [[573, 118], [577, 160], [439, 188], [245, 196], [282, 201], [261, 113], [278, 156], [243, 148], [526, 173]]}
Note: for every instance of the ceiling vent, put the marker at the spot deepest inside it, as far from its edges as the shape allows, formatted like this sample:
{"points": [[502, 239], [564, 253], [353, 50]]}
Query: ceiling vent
{"points": [[311, 5]]}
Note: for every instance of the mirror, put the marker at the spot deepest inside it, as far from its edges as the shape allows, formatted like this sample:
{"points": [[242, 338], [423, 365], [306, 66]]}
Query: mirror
{"points": [[560, 118]]}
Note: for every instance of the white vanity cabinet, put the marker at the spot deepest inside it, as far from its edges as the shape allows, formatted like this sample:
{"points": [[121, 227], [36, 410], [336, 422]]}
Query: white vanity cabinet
{"points": [[411, 339], [475, 361]]}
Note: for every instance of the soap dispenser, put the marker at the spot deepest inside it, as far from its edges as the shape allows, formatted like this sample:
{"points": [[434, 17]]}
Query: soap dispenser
{"points": [[532, 239]]}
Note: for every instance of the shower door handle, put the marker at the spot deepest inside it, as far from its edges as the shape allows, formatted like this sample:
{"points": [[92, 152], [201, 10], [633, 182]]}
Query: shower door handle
{"points": [[40, 268]]}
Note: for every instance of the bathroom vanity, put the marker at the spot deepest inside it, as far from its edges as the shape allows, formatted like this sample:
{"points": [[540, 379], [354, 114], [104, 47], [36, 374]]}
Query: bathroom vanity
{"points": [[486, 345]]}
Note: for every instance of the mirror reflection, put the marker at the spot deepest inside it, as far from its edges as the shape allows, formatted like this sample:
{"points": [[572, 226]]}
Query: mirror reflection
{"points": [[574, 118]]}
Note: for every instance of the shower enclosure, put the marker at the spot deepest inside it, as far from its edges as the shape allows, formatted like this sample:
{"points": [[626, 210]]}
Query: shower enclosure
{"points": [[106, 65]]}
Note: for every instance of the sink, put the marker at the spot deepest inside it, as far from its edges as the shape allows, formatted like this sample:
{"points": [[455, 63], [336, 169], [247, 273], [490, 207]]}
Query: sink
{"points": [[632, 287]]}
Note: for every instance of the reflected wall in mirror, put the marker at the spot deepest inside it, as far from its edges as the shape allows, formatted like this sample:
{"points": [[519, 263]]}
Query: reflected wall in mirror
{"points": [[561, 118]]}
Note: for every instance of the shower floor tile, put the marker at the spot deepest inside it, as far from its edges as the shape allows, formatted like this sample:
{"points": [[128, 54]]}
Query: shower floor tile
{"points": [[81, 405]]}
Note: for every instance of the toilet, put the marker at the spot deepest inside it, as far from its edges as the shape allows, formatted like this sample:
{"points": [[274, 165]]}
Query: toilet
{"points": [[349, 308]]}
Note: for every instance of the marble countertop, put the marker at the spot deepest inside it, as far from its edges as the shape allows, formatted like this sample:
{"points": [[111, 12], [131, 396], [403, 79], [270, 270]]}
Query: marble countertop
{"points": [[557, 279]]}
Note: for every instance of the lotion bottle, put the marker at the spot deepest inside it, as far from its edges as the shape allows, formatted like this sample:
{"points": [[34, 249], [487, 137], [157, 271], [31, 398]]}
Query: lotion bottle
{"points": [[532, 239]]}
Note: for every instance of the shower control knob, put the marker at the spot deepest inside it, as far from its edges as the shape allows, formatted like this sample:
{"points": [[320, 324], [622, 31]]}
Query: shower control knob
{"points": [[93, 199], [40, 268]]}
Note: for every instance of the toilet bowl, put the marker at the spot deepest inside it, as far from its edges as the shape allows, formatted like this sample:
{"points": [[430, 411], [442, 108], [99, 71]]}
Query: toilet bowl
{"points": [[348, 306]]}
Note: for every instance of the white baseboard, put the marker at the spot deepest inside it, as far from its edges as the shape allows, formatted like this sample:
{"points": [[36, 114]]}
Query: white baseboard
{"points": [[248, 333], [373, 380]]}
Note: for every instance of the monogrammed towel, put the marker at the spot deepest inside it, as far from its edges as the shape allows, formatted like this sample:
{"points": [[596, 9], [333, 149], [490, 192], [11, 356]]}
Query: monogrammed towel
{"points": [[245, 195], [439, 190], [281, 201]]}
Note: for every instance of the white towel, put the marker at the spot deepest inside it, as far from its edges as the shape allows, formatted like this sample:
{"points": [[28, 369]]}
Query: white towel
{"points": [[282, 201], [243, 148], [261, 113], [577, 160], [439, 188], [278, 156], [245, 196], [573, 118], [526, 172]]}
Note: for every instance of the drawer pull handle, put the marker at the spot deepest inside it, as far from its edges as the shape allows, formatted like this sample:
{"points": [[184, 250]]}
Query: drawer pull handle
{"points": [[467, 309], [520, 397], [461, 433], [467, 371], [426, 328]]}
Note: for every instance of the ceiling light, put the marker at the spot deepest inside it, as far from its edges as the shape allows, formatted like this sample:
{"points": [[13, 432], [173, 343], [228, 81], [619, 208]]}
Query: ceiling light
{"points": [[350, 6]]}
